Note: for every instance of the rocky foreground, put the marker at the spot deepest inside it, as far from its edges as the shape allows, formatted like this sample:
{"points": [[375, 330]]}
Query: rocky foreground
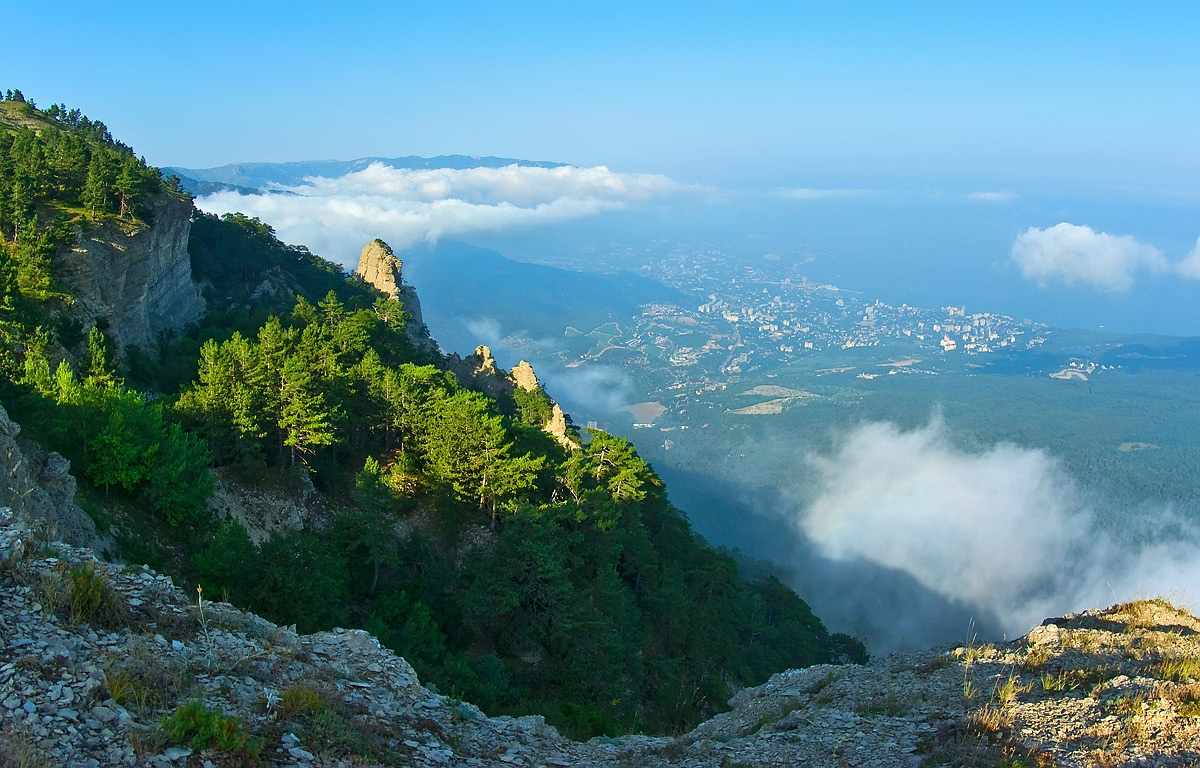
{"points": [[105, 665]]}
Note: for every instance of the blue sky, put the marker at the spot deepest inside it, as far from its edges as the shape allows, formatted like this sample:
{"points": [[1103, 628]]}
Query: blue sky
{"points": [[702, 91], [1083, 114]]}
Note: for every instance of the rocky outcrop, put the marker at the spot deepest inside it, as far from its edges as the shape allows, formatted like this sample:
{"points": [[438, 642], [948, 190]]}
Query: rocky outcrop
{"points": [[92, 688], [263, 508], [557, 428], [378, 266], [135, 278], [524, 377], [39, 488], [479, 371]]}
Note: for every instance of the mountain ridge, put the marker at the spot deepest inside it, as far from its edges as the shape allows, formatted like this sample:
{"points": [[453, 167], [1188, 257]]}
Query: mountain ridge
{"points": [[261, 175]]}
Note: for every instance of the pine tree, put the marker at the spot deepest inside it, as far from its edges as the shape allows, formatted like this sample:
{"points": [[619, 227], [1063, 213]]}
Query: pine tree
{"points": [[304, 419], [95, 187], [129, 187], [99, 370]]}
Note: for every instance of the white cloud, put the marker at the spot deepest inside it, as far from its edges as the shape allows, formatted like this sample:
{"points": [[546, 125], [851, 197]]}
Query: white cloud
{"points": [[599, 390], [1073, 255], [1190, 266], [812, 193], [336, 216], [993, 197], [1003, 530]]}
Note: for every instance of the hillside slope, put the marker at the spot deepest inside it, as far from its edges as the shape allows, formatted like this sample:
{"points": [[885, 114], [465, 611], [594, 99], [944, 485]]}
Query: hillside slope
{"points": [[103, 665]]}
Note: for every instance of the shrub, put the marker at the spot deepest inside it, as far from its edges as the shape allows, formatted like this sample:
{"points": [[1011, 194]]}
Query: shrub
{"points": [[202, 728], [301, 700], [89, 597]]}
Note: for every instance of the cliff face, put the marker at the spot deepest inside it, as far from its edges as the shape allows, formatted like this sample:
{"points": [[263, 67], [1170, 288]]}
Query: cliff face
{"points": [[378, 266], [39, 488], [138, 278]]}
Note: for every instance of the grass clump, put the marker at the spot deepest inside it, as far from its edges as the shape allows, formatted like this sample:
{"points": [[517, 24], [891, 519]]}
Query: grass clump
{"points": [[990, 719], [1035, 657], [1186, 699], [301, 700], [81, 594], [324, 722], [1075, 679], [1179, 670], [90, 598], [202, 728], [889, 705], [140, 679]]}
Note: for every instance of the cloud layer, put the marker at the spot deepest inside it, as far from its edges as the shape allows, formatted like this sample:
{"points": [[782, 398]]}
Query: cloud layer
{"points": [[336, 216], [1002, 530], [814, 193], [993, 197], [1189, 268], [1077, 255]]}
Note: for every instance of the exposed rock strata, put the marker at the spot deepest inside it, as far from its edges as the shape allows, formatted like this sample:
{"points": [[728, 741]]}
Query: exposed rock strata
{"points": [[39, 488], [557, 428], [137, 279], [479, 371], [524, 377]]}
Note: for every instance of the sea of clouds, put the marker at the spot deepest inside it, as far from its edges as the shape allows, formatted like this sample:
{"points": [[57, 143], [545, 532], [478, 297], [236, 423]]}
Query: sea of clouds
{"points": [[336, 216], [1002, 532]]}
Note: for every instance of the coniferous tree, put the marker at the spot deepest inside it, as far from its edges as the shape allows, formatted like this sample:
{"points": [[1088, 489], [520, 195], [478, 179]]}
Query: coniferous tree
{"points": [[94, 195], [304, 419]]}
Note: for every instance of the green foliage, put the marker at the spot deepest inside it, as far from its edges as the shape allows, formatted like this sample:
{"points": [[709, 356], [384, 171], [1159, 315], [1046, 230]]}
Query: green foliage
{"points": [[201, 728], [90, 598], [508, 570], [293, 577], [115, 437], [533, 406]]}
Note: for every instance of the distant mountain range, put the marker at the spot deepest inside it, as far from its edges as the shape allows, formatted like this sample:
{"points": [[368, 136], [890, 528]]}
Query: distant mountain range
{"points": [[250, 178]]}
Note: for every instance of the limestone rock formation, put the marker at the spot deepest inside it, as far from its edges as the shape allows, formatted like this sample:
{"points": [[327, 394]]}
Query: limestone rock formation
{"points": [[479, 371], [557, 428], [39, 488], [524, 377], [379, 266], [138, 279]]}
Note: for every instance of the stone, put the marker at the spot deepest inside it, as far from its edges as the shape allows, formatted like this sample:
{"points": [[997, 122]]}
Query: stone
{"points": [[379, 267], [139, 280], [524, 377]]}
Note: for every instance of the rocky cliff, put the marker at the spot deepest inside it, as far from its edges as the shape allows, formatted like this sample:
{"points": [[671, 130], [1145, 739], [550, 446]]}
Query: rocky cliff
{"points": [[39, 488], [136, 278], [524, 377], [479, 371], [378, 266]]}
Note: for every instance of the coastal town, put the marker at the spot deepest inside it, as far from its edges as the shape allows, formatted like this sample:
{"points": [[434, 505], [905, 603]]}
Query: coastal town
{"points": [[748, 317]]}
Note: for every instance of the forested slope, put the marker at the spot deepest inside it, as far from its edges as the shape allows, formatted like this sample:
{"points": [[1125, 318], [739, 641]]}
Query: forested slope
{"points": [[508, 569]]}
